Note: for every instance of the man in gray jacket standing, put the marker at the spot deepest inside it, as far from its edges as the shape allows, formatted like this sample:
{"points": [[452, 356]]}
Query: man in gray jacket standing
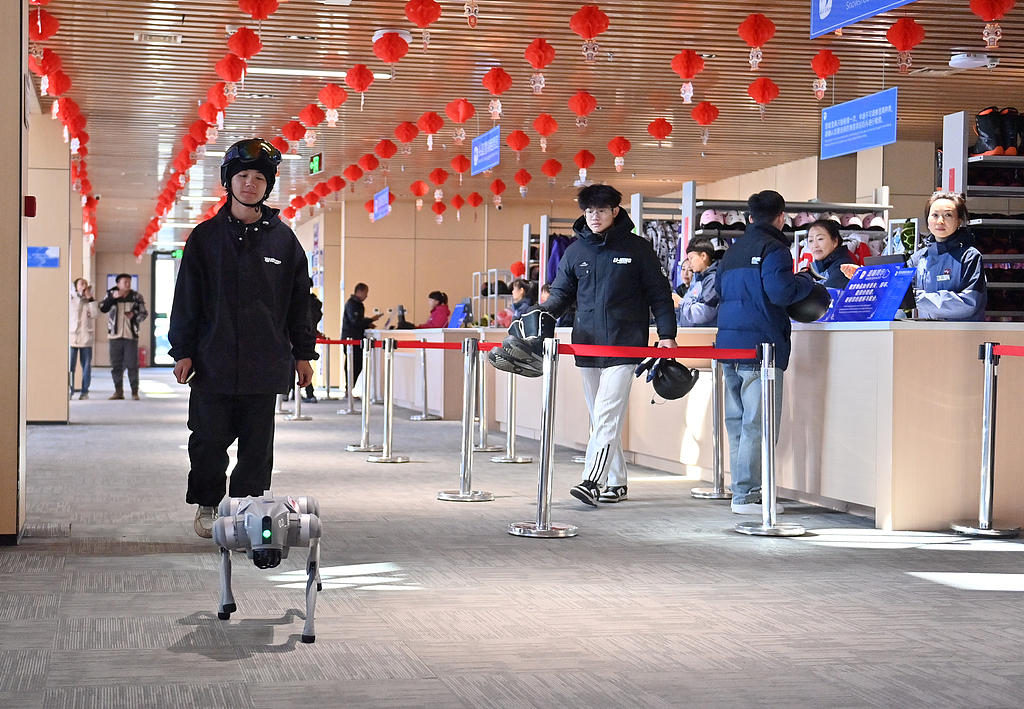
{"points": [[126, 310]]}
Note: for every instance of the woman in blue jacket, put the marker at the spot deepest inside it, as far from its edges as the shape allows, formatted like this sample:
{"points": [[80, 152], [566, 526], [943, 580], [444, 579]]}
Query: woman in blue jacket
{"points": [[699, 305], [829, 252], [949, 282]]}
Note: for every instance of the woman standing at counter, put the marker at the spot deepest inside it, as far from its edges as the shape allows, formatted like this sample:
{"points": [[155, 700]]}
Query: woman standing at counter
{"points": [[950, 280], [829, 252], [439, 312]]}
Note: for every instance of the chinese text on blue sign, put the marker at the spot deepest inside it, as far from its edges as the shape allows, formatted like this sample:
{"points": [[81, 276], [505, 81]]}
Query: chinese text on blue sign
{"points": [[830, 15], [486, 151], [381, 204], [860, 124]]}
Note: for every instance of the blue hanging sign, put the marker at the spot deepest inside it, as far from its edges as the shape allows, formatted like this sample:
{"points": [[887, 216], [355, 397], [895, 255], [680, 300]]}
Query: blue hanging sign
{"points": [[863, 123], [486, 152], [831, 15], [43, 257], [381, 204], [874, 293]]}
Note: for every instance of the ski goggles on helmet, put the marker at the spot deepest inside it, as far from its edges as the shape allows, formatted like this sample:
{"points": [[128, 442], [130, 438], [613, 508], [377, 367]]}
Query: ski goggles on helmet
{"points": [[252, 150]]}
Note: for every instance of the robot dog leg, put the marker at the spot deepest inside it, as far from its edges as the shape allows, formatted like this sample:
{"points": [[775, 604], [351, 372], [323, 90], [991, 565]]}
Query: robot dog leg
{"points": [[265, 528]]}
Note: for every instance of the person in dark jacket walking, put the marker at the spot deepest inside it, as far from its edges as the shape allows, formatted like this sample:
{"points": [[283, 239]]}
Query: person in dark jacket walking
{"points": [[354, 325], [240, 330], [126, 310], [616, 281], [755, 283]]}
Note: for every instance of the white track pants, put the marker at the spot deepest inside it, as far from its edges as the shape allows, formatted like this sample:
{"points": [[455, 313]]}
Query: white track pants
{"points": [[607, 393]]}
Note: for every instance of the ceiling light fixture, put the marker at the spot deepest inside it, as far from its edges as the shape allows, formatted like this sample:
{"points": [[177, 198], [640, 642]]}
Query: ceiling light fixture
{"points": [[275, 71], [968, 60]]}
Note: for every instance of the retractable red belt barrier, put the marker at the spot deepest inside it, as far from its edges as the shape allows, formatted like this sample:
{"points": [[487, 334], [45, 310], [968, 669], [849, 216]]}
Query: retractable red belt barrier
{"points": [[322, 341], [1008, 350], [603, 350]]}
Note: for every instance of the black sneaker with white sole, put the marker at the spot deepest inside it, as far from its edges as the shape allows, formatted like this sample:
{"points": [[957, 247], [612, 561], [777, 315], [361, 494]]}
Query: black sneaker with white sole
{"points": [[586, 492], [614, 493]]}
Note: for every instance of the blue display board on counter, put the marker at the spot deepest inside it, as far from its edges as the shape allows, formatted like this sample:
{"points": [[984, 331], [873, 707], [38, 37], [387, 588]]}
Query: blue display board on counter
{"points": [[863, 123], [381, 204], [874, 293], [486, 152], [831, 15]]}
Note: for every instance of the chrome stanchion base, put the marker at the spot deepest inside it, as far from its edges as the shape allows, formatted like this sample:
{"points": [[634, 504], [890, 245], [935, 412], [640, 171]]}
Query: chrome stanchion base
{"points": [[472, 496], [293, 417], [425, 417], [386, 459], [973, 528], [355, 448], [488, 449], [710, 493], [376, 401], [758, 529], [532, 529], [514, 459], [349, 412], [578, 459]]}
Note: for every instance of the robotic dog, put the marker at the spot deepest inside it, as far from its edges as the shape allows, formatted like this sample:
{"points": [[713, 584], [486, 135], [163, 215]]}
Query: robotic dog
{"points": [[265, 528]]}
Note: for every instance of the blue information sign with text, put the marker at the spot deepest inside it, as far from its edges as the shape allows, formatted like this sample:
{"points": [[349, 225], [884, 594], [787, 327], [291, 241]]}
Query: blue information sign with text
{"points": [[874, 293], [486, 151], [381, 204], [43, 256], [860, 124], [830, 15]]}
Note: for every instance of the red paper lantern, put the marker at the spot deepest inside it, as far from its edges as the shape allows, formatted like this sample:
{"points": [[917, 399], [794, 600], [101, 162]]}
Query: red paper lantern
{"points": [[687, 64], [57, 83], [390, 47], [522, 178], [41, 25], [332, 97], [312, 199], [419, 188], [905, 34], [321, 189], [423, 13], [188, 142], [385, 149], [280, 143], [352, 173], [582, 104], [406, 132], [216, 96], [518, 140], [659, 129], [258, 9], [47, 63], [438, 209], [755, 31], [430, 123], [293, 131], [583, 160], [619, 146], [359, 79], [232, 69], [824, 64], [459, 111], [369, 163], [438, 176], [336, 183], [198, 131], [497, 81], [545, 124], [539, 53], [65, 109], [311, 116], [551, 168], [497, 187], [474, 199], [990, 11], [298, 202], [588, 23], [763, 91], [209, 113], [458, 203], [245, 43], [288, 213], [460, 163]]}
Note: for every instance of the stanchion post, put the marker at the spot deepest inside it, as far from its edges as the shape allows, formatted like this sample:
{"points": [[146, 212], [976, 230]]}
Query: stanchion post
{"points": [[350, 374], [466, 493], [510, 423], [364, 445], [543, 526], [390, 344], [984, 526], [484, 446], [327, 373], [297, 416], [768, 526], [280, 410], [425, 414], [717, 491], [374, 373]]}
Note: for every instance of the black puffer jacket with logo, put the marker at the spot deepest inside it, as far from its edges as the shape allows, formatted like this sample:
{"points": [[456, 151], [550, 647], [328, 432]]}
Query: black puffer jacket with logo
{"points": [[617, 282], [241, 305]]}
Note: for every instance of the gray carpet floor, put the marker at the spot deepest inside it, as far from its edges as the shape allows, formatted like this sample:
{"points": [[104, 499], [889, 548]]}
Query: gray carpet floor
{"points": [[110, 600]]}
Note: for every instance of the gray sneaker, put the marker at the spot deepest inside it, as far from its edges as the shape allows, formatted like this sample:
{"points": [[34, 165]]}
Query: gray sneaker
{"points": [[205, 517], [586, 492]]}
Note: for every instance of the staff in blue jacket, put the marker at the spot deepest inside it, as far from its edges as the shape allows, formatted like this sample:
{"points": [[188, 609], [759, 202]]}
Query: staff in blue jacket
{"points": [[755, 283], [949, 282], [699, 305]]}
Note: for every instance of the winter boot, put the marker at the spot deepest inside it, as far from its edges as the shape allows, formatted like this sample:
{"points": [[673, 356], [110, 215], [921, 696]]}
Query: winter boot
{"points": [[1011, 122], [989, 127], [118, 393]]}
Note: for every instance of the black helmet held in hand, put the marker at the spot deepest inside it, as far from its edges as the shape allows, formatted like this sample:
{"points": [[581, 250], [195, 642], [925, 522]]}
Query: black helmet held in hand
{"points": [[812, 307], [671, 380]]}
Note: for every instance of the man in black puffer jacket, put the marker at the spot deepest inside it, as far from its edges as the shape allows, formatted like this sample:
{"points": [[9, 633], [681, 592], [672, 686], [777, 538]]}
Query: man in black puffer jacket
{"points": [[240, 330], [616, 281], [755, 282]]}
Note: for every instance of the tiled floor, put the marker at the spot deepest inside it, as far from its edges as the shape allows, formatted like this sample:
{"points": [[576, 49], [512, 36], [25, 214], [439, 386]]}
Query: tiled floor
{"points": [[110, 601]]}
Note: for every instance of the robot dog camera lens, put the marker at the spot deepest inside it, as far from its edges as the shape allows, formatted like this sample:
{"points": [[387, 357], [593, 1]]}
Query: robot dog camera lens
{"points": [[266, 558]]}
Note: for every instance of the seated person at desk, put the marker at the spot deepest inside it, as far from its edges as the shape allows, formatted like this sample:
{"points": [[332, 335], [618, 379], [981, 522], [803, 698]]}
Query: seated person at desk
{"points": [[522, 299], [949, 282], [698, 306], [829, 252], [439, 312]]}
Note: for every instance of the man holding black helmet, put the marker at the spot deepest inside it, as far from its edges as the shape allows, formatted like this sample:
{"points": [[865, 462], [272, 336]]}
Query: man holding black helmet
{"points": [[756, 283], [240, 330]]}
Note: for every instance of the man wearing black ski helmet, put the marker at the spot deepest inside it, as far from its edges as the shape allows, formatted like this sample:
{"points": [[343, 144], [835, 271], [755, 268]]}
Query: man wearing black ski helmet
{"points": [[251, 154]]}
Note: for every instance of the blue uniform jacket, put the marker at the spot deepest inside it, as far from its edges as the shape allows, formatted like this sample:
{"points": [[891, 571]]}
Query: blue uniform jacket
{"points": [[755, 283], [950, 280], [829, 269], [699, 307]]}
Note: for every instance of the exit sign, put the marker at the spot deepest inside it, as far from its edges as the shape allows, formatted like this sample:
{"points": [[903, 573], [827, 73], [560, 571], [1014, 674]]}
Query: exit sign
{"points": [[316, 164]]}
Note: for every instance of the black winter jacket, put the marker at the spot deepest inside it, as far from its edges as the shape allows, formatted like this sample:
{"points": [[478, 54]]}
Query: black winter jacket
{"points": [[616, 281], [241, 305], [354, 322], [756, 282], [829, 267]]}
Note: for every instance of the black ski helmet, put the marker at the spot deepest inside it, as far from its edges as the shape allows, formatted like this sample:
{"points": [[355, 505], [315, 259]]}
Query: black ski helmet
{"points": [[812, 307], [250, 154], [671, 380]]}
